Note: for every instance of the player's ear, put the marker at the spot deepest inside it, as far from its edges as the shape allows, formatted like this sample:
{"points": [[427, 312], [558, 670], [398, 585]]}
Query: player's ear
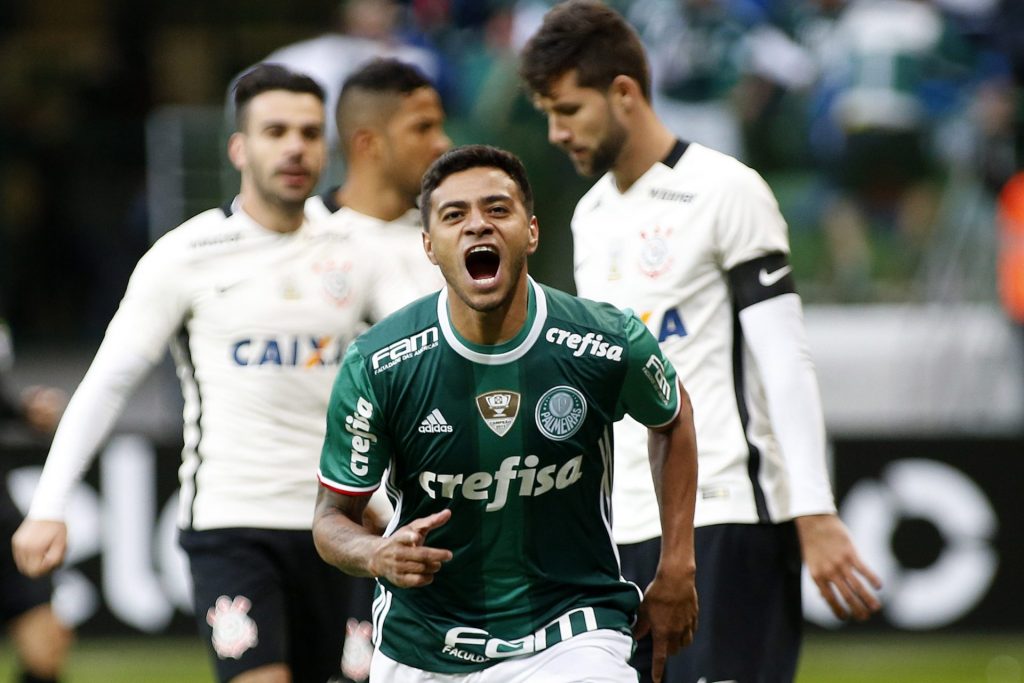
{"points": [[534, 241], [363, 140], [624, 92], [428, 246], [236, 150]]}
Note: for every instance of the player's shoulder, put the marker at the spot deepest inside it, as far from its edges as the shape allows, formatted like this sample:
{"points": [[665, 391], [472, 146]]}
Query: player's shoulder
{"points": [[320, 207], [713, 169], [415, 322], [210, 230], [593, 197], [596, 316]]}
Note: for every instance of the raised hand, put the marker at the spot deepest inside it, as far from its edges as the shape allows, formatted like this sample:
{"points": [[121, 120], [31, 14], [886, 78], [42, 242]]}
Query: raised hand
{"points": [[403, 558]]}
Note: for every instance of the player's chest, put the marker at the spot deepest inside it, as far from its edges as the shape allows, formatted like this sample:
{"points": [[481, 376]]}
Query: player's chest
{"points": [[644, 251], [300, 288], [463, 419]]}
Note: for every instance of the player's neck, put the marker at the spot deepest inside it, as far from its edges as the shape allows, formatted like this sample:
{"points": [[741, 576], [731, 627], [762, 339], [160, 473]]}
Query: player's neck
{"points": [[496, 326], [649, 142], [270, 215], [372, 197]]}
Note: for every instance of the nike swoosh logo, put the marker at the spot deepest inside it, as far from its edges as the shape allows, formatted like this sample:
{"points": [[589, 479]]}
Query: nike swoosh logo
{"points": [[768, 279], [221, 289]]}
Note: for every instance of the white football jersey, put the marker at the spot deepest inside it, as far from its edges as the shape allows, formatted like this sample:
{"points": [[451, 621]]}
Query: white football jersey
{"points": [[400, 240], [665, 248], [258, 323]]}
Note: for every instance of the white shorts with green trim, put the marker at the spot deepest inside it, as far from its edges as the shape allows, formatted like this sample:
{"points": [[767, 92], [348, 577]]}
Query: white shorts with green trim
{"points": [[600, 656]]}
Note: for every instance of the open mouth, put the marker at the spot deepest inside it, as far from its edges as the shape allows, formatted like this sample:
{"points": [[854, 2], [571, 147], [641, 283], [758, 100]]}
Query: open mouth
{"points": [[482, 262]]}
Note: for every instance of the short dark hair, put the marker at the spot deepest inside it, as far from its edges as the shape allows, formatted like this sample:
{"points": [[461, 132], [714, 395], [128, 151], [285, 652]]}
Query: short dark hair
{"points": [[380, 76], [386, 75], [587, 36], [265, 77], [473, 156]]}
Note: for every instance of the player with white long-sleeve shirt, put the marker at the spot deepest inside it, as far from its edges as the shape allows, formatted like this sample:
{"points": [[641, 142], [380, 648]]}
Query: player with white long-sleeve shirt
{"points": [[258, 304], [694, 242]]}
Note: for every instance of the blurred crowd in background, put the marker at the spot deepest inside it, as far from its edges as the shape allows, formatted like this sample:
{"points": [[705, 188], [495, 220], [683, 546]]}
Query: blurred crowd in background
{"points": [[887, 128]]}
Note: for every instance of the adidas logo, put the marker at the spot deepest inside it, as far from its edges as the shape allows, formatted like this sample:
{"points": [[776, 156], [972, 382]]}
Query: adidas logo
{"points": [[435, 423]]}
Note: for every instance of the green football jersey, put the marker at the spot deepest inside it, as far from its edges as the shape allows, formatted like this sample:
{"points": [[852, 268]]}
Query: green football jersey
{"points": [[516, 440]]}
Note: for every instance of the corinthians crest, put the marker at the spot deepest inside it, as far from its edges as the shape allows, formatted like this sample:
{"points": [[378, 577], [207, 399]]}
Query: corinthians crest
{"points": [[655, 251], [498, 409]]}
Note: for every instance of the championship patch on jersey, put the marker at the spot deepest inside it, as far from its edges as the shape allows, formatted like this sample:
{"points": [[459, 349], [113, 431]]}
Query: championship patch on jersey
{"points": [[560, 412], [498, 409], [655, 254]]}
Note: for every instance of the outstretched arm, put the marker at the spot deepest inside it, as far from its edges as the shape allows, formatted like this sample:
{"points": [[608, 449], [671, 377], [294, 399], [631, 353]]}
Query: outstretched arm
{"points": [[775, 332], [402, 558], [669, 608]]}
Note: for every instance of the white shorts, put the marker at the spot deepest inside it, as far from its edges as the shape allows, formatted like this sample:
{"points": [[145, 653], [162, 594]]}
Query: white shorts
{"points": [[600, 656]]}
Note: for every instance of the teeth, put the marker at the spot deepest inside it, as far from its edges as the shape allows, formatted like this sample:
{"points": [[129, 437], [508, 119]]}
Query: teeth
{"points": [[489, 250]]}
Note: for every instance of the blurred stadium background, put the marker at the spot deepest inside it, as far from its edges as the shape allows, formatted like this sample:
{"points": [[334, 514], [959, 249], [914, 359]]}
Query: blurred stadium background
{"points": [[887, 128]]}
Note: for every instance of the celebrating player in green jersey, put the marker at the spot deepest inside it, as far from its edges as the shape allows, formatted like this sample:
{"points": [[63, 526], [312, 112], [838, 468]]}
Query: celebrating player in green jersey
{"points": [[490, 405]]}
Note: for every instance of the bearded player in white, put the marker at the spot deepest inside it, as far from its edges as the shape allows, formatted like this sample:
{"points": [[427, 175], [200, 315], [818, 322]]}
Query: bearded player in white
{"points": [[258, 304], [694, 242]]}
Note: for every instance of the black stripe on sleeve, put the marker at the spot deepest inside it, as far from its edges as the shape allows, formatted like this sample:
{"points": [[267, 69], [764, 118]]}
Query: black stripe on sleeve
{"points": [[740, 389], [760, 279]]}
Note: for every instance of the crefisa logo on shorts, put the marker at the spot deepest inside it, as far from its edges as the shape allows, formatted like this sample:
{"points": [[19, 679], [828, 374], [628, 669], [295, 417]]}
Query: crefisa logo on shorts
{"points": [[560, 412]]}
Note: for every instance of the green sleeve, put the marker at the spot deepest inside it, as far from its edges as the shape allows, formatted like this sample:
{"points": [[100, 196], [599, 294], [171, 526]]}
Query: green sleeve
{"points": [[650, 392], [356, 448]]}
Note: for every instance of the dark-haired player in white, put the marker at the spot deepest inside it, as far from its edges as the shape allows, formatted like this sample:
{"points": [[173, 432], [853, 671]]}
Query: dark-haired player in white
{"points": [[694, 242], [490, 404], [390, 125], [390, 129], [258, 304]]}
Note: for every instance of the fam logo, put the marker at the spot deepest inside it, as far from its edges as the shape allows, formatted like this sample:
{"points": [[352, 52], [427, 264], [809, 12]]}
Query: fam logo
{"points": [[304, 351], [655, 254], [560, 412], [498, 409], [334, 280], [671, 324], [654, 371], [404, 349]]}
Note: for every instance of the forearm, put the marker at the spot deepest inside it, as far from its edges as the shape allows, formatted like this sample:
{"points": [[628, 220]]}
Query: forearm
{"points": [[673, 456], [775, 332], [89, 417], [342, 541]]}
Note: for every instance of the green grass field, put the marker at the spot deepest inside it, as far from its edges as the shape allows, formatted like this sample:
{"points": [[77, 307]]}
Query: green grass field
{"points": [[832, 658]]}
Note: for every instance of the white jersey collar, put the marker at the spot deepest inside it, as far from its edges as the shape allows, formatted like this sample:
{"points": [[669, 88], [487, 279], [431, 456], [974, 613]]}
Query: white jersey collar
{"points": [[237, 210]]}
